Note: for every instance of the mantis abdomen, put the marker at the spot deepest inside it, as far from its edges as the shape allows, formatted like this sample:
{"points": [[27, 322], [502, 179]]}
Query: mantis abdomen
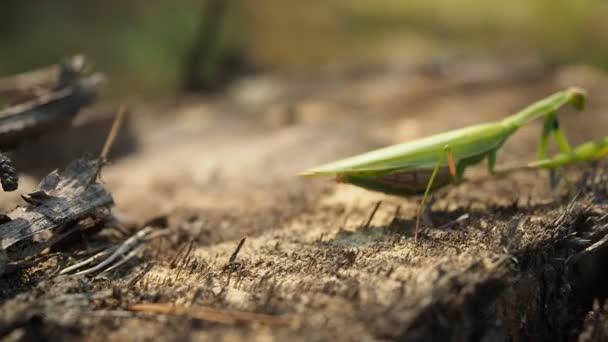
{"points": [[411, 182]]}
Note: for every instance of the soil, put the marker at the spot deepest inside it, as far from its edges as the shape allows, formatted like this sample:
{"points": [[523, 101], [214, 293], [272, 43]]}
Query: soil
{"points": [[507, 258]]}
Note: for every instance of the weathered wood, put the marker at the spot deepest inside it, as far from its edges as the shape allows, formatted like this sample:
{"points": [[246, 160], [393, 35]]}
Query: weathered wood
{"points": [[30, 119], [44, 79], [47, 99], [86, 135], [60, 200], [8, 174]]}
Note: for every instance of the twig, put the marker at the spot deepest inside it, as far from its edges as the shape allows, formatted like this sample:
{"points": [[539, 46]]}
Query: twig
{"points": [[127, 257], [213, 315], [138, 277], [397, 212], [236, 251], [116, 125], [111, 313], [186, 256], [453, 222], [89, 260], [127, 245], [371, 216], [181, 264], [174, 260]]}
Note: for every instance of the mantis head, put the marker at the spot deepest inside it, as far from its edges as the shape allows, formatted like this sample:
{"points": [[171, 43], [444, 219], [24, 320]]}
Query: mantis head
{"points": [[577, 97]]}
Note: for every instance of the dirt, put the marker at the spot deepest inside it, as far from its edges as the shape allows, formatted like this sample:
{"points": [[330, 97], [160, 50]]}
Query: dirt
{"points": [[508, 258]]}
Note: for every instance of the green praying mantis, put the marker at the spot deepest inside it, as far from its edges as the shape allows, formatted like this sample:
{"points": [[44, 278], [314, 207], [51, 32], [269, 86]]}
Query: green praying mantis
{"points": [[421, 166]]}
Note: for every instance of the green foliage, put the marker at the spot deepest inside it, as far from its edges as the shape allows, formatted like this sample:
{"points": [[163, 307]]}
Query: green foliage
{"points": [[141, 44]]}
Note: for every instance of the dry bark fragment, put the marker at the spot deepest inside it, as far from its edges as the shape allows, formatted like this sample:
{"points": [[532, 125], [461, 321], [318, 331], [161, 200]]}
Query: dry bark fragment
{"points": [[8, 174], [32, 118], [42, 100], [59, 201], [30, 84]]}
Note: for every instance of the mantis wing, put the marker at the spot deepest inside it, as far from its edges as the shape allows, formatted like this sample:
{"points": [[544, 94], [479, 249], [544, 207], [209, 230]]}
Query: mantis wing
{"points": [[423, 153]]}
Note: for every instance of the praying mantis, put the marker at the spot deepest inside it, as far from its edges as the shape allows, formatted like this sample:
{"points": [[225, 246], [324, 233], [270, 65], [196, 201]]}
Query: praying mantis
{"points": [[423, 165]]}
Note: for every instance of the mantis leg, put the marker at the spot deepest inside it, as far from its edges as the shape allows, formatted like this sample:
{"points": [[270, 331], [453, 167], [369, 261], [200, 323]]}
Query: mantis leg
{"points": [[491, 161], [551, 126], [426, 213], [544, 138], [556, 175], [452, 168]]}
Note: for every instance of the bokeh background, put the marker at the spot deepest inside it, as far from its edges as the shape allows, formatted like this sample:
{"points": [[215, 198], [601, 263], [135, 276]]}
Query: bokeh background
{"points": [[157, 47]]}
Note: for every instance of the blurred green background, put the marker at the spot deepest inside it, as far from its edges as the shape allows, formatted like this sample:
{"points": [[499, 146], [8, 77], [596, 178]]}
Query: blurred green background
{"points": [[157, 47]]}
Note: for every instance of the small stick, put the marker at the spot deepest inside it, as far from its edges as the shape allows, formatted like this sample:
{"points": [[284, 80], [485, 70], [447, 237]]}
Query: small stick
{"points": [[116, 125], [138, 277], [111, 313], [174, 260], [453, 222], [236, 251], [187, 254], [371, 216], [181, 264], [212, 315], [128, 244], [127, 257], [397, 212], [87, 261]]}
